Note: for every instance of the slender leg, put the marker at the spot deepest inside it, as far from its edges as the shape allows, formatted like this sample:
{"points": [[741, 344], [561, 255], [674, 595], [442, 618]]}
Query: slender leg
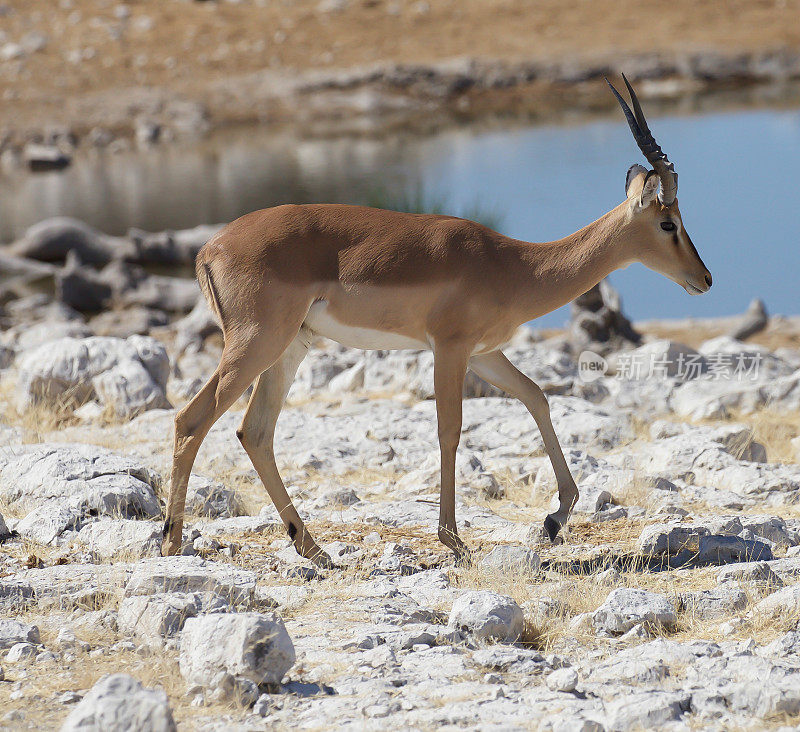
{"points": [[243, 358], [450, 367], [257, 434], [498, 370]]}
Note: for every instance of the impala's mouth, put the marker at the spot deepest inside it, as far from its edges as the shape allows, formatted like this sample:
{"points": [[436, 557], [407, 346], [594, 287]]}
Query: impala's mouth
{"points": [[692, 290]]}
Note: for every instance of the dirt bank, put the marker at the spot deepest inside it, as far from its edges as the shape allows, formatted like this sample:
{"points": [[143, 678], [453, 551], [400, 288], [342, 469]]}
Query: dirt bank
{"points": [[156, 68]]}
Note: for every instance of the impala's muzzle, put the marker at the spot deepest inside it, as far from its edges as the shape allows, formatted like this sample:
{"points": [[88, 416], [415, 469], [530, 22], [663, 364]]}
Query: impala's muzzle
{"points": [[698, 286]]}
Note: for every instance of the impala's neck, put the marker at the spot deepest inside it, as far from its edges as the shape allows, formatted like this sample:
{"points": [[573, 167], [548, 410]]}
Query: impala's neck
{"points": [[559, 271]]}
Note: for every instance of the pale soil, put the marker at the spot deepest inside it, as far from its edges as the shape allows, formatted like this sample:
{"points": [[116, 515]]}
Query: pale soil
{"points": [[99, 67]]}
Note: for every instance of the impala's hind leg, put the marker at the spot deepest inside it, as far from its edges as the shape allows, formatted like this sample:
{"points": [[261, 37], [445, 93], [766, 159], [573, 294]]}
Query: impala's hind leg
{"points": [[257, 434], [498, 370], [246, 354]]}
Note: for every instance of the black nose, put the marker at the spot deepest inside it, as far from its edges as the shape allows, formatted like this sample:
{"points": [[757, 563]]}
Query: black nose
{"points": [[708, 279]]}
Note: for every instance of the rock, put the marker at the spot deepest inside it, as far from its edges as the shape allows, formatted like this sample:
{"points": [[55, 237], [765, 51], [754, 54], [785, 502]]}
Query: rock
{"points": [[661, 359], [591, 500], [715, 549], [154, 618], [172, 294], [784, 602], [4, 531], [67, 640], [487, 616], [128, 376], [169, 247], [45, 157], [754, 320], [122, 538], [349, 380], [597, 322], [15, 631], [128, 322], [645, 710], [237, 525], [194, 328], [69, 586], [717, 603], [191, 574], [205, 497], [625, 608], [512, 559], [772, 528], [563, 679], [50, 241], [46, 523], [46, 332], [758, 573], [21, 652], [21, 277], [119, 703], [249, 645], [81, 287], [87, 478], [670, 539]]}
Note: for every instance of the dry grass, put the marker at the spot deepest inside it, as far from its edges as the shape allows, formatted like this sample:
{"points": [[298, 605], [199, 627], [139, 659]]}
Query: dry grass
{"points": [[51, 679], [774, 430]]}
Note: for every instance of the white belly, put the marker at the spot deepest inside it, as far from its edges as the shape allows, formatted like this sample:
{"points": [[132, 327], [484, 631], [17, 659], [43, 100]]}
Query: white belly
{"points": [[319, 321]]}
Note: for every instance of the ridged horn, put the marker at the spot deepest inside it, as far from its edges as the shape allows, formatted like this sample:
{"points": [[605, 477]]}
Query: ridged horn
{"points": [[648, 145]]}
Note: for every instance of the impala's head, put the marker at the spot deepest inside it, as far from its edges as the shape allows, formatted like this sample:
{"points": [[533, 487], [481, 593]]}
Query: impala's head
{"points": [[661, 242]]}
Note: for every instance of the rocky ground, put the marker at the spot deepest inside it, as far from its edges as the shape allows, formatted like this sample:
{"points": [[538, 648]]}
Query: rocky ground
{"points": [[100, 73], [672, 603]]}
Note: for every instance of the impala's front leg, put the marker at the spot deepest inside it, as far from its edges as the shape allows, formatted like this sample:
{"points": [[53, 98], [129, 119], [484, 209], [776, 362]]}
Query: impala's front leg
{"points": [[498, 370], [450, 368]]}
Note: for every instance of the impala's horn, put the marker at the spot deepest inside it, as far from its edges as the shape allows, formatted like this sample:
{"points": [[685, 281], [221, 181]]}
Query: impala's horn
{"points": [[648, 145]]}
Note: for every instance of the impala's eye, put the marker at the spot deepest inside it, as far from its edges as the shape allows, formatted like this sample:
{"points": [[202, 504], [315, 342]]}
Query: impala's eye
{"points": [[668, 226]]}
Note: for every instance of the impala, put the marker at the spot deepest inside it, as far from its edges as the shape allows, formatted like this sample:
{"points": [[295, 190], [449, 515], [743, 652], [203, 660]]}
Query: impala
{"points": [[376, 279]]}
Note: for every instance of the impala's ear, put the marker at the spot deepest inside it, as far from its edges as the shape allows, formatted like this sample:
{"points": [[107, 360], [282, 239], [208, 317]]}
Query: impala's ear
{"points": [[634, 179], [642, 185]]}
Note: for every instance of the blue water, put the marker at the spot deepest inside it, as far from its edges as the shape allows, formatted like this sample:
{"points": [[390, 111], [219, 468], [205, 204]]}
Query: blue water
{"points": [[737, 191]]}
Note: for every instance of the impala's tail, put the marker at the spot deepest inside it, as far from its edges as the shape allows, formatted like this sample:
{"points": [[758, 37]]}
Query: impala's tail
{"points": [[208, 289]]}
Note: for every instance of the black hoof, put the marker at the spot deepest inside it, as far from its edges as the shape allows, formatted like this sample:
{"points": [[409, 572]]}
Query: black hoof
{"points": [[463, 558], [551, 528]]}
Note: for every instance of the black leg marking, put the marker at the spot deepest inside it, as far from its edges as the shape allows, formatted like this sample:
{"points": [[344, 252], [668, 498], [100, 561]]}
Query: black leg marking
{"points": [[292, 531], [168, 524], [240, 435]]}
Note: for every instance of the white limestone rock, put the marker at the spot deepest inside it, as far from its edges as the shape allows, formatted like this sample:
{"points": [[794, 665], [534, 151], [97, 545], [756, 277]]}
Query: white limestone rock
{"points": [[205, 497], [487, 616], [625, 608], [122, 538], [191, 574], [119, 703], [253, 646], [68, 586], [15, 631], [48, 522], [87, 478], [645, 710], [756, 573], [562, 679], [784, 602], [670, 539], [716, 603], [155, 618], [127, 375]]}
